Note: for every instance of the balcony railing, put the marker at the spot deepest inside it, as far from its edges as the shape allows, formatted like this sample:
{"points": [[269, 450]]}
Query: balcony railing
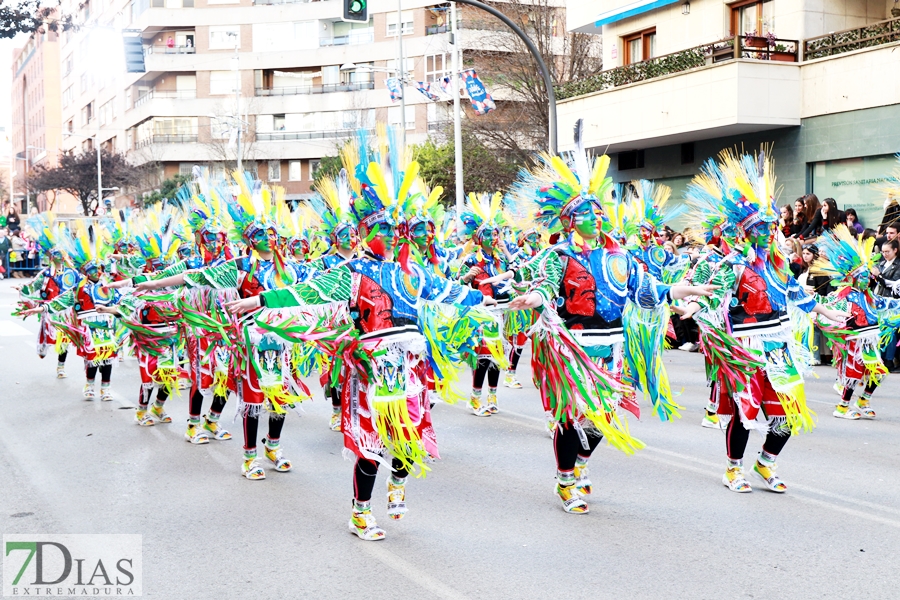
{"points": [[876, 34], [347, 40], [316, 89], [275, 136], [436, 29], [179, 94], [164, 49], [683, 60], [167, 139]]}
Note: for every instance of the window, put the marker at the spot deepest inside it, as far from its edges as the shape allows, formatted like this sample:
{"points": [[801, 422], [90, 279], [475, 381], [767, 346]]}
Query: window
{"points": [[70, 125], [105, 113], [186, 169], [753, 17], [224, 37], [394, 116], [278, 122], [274, 170], [67, 97], [632, 159], [331, 75], [362, 74], [67, 66], [391, 66], [84, 83], [639, 46], [313, 167], [406, 27], [295, 172], [87, 114], [437, 67], [222, 83]]}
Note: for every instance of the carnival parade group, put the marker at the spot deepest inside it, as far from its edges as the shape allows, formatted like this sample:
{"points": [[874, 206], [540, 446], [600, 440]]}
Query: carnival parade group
{"points": [[375, 290]]}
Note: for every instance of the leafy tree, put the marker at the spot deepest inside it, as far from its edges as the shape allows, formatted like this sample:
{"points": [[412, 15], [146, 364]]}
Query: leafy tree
{"points": [[30, 16], [484, 170], [167, 189], [77, 174], [329, 166]]}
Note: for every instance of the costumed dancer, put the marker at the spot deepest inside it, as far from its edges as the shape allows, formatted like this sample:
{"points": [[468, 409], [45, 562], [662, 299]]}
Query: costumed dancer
{"points": [[849, 261], [581, 286], [517, 323], [755, 361], [482, 219], [365, 313], [97, 337], [57, 278], [262, 371]]}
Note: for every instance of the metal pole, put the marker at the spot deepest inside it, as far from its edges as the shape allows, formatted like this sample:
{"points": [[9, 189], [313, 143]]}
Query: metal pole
{"points": [[99, 176], [237, 104], [545, 72], [401, 70], [457, 118]]}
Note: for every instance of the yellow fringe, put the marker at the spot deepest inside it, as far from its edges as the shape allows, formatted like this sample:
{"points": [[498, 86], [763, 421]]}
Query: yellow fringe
{"points": [[277, 397], [799, 415], [168, 377], [220, 383], [399, 435], [615, 430]]}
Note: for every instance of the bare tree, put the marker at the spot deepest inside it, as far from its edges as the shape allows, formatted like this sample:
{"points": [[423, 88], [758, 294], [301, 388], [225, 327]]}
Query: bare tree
{"points": [[519, 124]]}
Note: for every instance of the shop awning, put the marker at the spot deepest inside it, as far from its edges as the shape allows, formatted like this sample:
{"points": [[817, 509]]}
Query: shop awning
{"points": [[629, 10]]}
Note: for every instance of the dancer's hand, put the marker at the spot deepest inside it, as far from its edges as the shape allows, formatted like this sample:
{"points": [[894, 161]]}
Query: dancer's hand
{"points": [[497, 278], [837, 316], [239, 307], [488, 301], [532, 300], [115, 285], [146, 286], [689, 310], [472, 274], [683, 291], [33, 311]]}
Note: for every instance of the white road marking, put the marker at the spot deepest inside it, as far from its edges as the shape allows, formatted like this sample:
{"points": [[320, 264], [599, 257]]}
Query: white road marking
{"points": [[379, 552]]}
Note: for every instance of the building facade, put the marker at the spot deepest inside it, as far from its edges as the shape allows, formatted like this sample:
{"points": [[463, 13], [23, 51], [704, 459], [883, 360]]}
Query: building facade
{"points": [[292, 75], [36, 120], [686, 79]]}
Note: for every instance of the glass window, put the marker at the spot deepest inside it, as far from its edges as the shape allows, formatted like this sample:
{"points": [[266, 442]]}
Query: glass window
{"points": [[313, 167], [407, 26], [274, 170], [278, 122], [222, 82], [394, 116], [295, 170], [437, 67], [854, 182], [185, 169], [224, 37]]}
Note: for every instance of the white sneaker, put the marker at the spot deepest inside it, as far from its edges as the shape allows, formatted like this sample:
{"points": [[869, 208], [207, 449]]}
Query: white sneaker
{"points": [[685, 346]]}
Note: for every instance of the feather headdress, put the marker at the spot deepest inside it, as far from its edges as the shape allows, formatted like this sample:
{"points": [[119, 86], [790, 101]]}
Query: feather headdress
{"points": [[482, 211], [297, 228], [333, 202], [252, 209], [158, 238], [844, 257], [44, 229], [88, 246], [734, 194], [204, 207], [560, 184]]}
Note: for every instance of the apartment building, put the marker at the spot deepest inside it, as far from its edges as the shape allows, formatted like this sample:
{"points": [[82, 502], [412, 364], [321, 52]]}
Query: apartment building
{"points": [[684, 79], [295, 77], [36, 119]]}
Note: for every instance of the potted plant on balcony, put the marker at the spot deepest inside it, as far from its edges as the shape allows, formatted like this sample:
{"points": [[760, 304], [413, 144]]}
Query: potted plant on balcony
{"points": [[784, 54], [751, 40]]}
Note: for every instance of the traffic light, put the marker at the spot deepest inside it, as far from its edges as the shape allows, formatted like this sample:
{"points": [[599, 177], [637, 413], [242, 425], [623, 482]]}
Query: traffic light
{"points": [[356, 11]]}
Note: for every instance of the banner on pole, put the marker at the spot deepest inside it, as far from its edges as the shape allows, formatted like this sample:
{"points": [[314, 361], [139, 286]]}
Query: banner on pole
{"points": [[393, 86], [481, 101], [425, 88]]}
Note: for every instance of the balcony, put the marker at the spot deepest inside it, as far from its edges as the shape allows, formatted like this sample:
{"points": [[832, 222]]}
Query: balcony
{"points": [[316, 89], [166, 139], [436, 29], [279, 136], [848, 40], [686, 97], [748, 47], [164, 49], [180, 94]]}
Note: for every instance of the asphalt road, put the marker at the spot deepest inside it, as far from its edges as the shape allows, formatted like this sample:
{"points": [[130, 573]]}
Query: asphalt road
{"points": [[484, 523]]}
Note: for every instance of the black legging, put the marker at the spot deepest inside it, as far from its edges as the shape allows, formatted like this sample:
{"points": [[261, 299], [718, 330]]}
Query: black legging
{"points": [[63, 355], [848, 390], [364, 477], [568, 447], [251, 430], [161, 396], [736, 437], [105, 372], [515, 355], [485, 367], [335, 394], [218, 404]]}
